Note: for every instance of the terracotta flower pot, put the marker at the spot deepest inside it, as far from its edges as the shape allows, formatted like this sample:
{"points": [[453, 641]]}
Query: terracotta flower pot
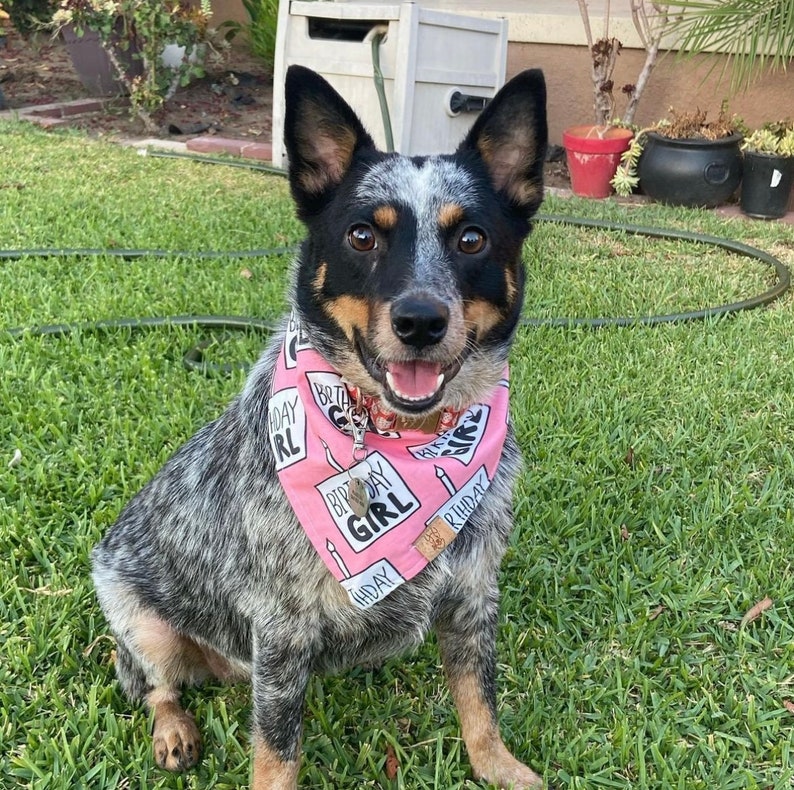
{"points": [[593, 154]]}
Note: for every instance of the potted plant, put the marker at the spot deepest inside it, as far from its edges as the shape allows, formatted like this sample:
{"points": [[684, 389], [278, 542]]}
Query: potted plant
{"points": [[135, 33], [757, 36], [92, 62], [768, 170], [27, 16], [594, 151], [4, 18], [260, 29], [684, 161], [593, 154]]}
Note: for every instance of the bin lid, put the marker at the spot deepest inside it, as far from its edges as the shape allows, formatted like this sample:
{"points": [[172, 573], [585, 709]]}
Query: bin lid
{"points": [[346, 10]]}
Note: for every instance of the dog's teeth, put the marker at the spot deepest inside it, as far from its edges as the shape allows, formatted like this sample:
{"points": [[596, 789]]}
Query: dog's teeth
{"points": [[412, 398]]}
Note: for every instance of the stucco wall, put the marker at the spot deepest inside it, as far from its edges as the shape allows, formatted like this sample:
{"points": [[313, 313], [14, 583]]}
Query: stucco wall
{"points": [[228, 9], [676, 83]]}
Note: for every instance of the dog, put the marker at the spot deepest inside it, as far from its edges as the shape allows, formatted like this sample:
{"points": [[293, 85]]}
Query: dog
{"points": [[357, 492]]}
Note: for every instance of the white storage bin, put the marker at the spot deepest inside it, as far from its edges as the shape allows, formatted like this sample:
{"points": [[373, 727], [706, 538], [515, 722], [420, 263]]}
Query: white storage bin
{"points": [[425, 57]]}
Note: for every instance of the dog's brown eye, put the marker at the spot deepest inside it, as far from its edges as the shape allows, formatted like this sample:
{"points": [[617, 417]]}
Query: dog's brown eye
{"points": [[362, 238], [471, 241]]}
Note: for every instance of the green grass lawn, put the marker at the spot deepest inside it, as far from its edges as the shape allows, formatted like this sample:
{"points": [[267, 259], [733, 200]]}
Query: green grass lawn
{"points": [[656, 509]]}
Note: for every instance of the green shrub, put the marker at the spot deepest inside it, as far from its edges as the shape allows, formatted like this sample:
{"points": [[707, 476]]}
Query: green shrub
{"points": [[28, 16]]}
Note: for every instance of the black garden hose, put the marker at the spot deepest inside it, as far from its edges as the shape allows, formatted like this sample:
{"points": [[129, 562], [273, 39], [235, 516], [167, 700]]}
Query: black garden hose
{"points": [[781, 285], [782, 273], [193, 359]]}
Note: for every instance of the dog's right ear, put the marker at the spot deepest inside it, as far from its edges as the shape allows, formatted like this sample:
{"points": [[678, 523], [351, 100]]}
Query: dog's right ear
{"points": [[321, 134]]}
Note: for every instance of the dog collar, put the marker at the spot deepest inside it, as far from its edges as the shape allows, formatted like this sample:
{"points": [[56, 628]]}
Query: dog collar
{"points": [[383, 419], [419, 489]]}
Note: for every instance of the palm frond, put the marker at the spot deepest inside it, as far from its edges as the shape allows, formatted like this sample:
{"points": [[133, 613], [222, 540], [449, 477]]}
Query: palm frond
{"points": [[756, 35]]}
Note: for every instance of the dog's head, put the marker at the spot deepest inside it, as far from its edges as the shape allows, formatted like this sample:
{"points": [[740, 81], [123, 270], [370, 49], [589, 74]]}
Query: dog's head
{"points": [[410, 282]]}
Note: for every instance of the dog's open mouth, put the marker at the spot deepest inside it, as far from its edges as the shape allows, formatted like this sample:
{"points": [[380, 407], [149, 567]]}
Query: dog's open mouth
{"points": [[414, 385], [414, 382]]}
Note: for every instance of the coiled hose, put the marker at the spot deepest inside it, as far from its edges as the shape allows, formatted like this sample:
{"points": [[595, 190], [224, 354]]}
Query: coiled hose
{"points": [[193, 359]]}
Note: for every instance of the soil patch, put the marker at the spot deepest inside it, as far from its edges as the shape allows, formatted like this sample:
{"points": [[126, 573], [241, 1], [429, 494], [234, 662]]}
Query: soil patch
{"points": [[235, 97]]}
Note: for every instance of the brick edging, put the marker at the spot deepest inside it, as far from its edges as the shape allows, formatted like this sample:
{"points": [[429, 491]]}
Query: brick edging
{"points": [[213, 144]]}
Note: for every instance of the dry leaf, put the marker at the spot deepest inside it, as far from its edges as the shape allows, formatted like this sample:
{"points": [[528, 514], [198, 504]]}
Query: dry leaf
{"points": [[101, 638], [246, 274], [656, 612], [629, 459], [756, 611], [391, 763], [46, 591], [624, 532], [728, 625], [788, 705]]}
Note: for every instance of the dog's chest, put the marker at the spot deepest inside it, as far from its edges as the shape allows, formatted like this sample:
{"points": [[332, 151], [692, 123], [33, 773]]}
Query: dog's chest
{"points": [[400, 623]]}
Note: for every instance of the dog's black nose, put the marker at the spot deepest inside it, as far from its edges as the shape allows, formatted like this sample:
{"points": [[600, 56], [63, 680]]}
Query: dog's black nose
{"points": [[419, 321]]}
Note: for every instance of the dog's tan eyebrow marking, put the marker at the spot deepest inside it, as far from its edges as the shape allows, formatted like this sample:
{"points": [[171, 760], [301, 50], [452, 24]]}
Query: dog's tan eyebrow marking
{"points": [[350, 313], [449, 215], [319, 278], [482, 315], [385, 217]]}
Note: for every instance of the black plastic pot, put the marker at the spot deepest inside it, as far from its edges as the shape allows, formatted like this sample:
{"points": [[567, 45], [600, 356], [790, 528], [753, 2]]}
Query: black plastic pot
{"points": [[766, 184], [690, 172]]}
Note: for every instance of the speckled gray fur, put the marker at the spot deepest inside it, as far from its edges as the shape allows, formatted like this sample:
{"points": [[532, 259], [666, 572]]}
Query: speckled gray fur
{"points": [[210, 553]]}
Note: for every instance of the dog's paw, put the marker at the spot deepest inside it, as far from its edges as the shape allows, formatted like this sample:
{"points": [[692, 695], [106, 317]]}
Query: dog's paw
{"points": [[519, 777], [176, 742], [504, 771]]}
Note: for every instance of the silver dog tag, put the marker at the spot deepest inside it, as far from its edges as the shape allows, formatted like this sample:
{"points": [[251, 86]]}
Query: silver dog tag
{"points": [[358, 496], [357, 489]]}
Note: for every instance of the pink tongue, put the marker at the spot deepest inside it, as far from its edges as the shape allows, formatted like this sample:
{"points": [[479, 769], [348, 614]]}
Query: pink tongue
{"points": [[415, 379]]}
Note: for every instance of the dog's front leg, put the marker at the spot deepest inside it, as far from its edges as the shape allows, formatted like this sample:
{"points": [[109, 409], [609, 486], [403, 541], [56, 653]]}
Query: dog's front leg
{"points": [[280, 676], [466, 633]]}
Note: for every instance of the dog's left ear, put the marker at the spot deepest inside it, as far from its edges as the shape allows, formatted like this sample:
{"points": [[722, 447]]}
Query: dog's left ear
{"points": [[511, 136], [321, 135]]}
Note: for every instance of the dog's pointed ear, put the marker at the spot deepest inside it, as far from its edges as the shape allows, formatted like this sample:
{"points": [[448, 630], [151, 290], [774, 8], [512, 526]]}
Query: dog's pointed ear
{"points": [[511, 136], [321, 134]]}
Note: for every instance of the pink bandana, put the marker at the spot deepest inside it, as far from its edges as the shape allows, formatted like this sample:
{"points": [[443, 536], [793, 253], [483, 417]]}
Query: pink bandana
{"points": [[421, 489]]}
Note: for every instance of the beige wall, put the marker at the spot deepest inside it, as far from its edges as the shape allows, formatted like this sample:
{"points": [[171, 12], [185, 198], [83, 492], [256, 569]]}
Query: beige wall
{"points": [[675, 83]]}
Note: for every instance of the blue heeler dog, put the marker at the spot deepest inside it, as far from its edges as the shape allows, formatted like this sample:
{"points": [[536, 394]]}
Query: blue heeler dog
{"points": [[408, 289]]}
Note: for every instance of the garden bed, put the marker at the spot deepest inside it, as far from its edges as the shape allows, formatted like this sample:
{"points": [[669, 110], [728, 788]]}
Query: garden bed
{"points": [[233, 100], [234, 97]]}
